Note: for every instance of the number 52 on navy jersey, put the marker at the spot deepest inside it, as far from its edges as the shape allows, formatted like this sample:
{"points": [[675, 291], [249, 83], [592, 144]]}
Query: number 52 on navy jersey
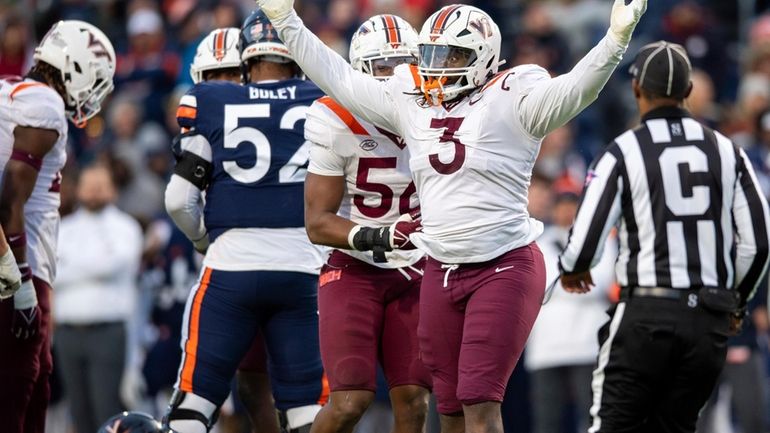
{"points": [[258, 151]]}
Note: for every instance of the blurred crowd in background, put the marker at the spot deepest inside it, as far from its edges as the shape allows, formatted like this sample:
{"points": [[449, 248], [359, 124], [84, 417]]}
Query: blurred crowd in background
{"points": [[728, 43]]}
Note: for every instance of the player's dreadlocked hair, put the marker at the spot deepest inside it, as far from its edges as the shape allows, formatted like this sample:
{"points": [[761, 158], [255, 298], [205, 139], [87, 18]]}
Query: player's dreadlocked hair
{"points": [[46, 73]]}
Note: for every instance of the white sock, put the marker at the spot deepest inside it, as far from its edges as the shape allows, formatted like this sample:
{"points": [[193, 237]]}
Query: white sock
{"points": [[198, 404], [187, 426], [300, 416]]}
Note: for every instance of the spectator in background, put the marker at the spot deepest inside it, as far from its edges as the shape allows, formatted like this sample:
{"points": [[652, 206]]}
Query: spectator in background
{"points": [[138, 151], [562, 347], [540, 43], [584, 21], [744, 374], [759, 152], [148, 71], [15, 46], [695, 28], [701, 103], [99, 252], [557, 159], [753, 98], [138, 192], [540, 198]]}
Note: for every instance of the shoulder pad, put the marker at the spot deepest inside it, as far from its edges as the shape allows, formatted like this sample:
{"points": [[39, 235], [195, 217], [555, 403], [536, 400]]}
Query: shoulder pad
{"points": [[38, 106]]}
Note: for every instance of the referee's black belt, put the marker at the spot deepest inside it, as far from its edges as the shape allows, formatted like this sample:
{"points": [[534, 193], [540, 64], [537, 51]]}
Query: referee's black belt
{"points": [[656, 292], [712, 298]]}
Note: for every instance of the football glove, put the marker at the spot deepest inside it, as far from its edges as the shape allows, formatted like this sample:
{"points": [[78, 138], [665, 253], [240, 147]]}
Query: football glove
{"points": [[624, 18], [10, 277], [26, 314], [404, 226], [276, 10], [382, 239]]}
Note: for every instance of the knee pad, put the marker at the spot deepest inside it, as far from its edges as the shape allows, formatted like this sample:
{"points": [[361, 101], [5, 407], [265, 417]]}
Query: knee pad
{"points": [[188, 411]]}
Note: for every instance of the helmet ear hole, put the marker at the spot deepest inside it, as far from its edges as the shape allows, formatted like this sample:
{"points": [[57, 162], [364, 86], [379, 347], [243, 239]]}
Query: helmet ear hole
{"points": [[78, 69]]}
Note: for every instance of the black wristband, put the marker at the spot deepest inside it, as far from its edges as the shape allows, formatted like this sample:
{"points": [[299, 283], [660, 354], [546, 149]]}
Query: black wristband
{"points": [[194, 169], [375, 239]]}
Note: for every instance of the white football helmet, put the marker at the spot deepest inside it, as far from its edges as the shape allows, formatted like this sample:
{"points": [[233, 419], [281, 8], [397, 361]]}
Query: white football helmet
{"points": [[383, 41], [459, 51], [218, 50], [86, 60]]}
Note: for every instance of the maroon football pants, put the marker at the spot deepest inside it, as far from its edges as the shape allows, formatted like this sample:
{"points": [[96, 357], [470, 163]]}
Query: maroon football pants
{"points": [[474, 322], [25, 366]]}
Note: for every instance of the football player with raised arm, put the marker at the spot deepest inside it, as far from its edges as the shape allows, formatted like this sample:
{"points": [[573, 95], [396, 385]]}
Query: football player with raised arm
{"points": [[71, 77], [473, 135], [367, 302], [218, 57], [245, 148]]}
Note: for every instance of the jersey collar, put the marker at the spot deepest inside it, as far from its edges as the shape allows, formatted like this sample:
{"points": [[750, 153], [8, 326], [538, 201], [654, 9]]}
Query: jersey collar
{"points": [[666, 112]]}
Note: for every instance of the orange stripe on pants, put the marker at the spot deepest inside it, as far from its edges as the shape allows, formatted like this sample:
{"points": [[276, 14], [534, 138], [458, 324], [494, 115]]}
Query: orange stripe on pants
{"points": [[324, 398], [191, 346]]}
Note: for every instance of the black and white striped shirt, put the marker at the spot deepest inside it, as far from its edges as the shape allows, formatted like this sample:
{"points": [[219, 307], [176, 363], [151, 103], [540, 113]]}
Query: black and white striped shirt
{"points": [[687, 205]]}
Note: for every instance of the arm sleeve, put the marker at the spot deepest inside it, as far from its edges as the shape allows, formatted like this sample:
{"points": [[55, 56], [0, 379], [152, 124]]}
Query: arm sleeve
{"points": [[598, 211], [184, 202], [547, 103], [750, 215], [363, 95]]}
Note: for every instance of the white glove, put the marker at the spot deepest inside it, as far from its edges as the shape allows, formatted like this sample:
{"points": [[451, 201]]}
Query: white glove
{"points": [[26, 314], [624, 18], [276, 10], [10, 277], [133, 388]]}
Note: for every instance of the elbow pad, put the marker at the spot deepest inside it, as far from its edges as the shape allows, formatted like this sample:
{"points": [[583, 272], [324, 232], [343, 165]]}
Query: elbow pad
{"points": [[194, 169]]}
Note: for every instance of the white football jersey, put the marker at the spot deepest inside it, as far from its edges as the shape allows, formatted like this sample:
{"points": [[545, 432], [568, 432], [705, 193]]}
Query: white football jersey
{"points": [[375, 164], [472, 158], [471, 162], [26, 102]]}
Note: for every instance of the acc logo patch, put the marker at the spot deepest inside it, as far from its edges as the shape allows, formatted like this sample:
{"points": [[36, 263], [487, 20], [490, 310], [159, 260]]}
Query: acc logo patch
{"points": [[368, 145]]}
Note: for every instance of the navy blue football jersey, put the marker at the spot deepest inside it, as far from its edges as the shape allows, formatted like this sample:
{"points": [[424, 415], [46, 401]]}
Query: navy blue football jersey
{"points": [[259, 154]]}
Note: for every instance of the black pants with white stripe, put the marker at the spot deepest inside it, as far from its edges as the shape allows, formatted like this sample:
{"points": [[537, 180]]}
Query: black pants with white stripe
{"points": [[659, 361]]}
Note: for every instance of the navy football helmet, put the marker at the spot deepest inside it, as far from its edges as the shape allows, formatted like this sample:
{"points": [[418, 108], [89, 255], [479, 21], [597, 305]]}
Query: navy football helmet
{"points": [[260, 42], [259, 38], [132, 422]]}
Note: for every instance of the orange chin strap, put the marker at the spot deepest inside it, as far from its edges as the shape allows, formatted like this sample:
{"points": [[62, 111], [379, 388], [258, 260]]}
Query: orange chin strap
{"points": [[434, 84], [81, 122]]}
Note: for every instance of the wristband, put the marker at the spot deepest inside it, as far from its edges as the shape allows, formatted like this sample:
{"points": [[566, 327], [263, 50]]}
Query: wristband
{"points": [[26, 158], [26, 271], [352, 235], [17, 240]]}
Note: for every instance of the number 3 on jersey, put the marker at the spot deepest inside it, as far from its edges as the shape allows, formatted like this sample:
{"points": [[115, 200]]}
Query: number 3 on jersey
{"points": [[293, 171], [450, 125]]}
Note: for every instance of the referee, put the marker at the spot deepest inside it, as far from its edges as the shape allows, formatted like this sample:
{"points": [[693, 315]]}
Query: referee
{"points": [[693, 232]]}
